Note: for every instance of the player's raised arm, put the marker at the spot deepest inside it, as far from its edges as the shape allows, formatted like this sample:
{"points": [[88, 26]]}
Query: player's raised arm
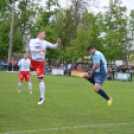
{"points": [[87, 57], [49, 45]]}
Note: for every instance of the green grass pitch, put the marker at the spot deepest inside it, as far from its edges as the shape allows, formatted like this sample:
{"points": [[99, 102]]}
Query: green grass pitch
{"points": [[71, 107]]}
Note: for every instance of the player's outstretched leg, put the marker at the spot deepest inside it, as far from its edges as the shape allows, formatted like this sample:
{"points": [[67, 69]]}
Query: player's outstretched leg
{"points": [[42, 90], [103, 94]]}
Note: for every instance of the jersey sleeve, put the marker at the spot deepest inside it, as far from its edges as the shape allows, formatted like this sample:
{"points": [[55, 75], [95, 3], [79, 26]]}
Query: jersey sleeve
{"points": [[49, 45], [91, 57], [96, 59], [32, 46]]}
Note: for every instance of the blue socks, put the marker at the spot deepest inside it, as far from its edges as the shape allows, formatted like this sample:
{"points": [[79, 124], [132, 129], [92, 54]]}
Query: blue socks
{"points": [[103, 94], [91, 80]]}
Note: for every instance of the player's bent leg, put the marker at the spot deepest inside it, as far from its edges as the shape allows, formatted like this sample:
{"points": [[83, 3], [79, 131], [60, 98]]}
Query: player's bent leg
{"points": [[42, 90], [97, 89], [87, 77]]}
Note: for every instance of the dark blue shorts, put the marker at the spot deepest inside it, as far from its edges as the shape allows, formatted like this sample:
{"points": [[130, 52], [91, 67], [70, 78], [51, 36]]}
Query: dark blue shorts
{"points": [[99, 77]]}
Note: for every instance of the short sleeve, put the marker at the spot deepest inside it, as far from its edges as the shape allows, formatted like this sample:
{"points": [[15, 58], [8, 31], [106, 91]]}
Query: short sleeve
{"points": [[96, 59], [91, 57]]}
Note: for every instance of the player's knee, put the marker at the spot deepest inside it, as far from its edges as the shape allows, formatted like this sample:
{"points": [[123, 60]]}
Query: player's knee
{"points": [[85, 76], [40, 79], [96, 90]]}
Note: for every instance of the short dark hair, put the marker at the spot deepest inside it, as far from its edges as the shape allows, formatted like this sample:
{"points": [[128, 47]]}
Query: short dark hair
{"points": [[40, 31], [90, 47]]}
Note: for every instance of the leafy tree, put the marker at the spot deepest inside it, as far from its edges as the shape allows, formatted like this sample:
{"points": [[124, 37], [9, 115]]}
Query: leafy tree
{"points": [[115, 39], [131, 34]]}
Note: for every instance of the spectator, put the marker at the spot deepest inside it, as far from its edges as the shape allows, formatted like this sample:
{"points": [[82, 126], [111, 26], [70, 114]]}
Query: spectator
{"points": [[113, 68], [16, 67], [5, 66], [124, 69], [109, 73], [79, 67], [69, 69], [90, 66], [118, 69], [47, 69], [65, 68], [2, 65], [73, 66], [9, 67], [57, 65], [129, 69], [61, 65], [87, 68], [83, 67]]}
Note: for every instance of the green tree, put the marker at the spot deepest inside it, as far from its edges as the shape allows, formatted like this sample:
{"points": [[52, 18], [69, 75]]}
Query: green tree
{"points": [[64, 28], [131, 34], [115, 39], [50, 4], [79, 50]]}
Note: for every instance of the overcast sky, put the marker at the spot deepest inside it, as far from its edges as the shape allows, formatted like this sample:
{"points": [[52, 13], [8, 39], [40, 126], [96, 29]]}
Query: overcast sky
{"points": [[128, 3]]}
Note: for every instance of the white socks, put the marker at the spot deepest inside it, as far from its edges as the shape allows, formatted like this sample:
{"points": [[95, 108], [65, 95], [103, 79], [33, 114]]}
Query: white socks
{"points": [[30, 86], [19, 85], [42, 89]]}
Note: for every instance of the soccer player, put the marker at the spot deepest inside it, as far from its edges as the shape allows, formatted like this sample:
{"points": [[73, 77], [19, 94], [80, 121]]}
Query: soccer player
{"points": [[38, 48], [24, 65], [98, 73]]}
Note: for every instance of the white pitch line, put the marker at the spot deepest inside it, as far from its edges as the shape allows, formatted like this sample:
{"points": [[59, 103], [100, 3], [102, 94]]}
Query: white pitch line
{"points": [[75, 127]]}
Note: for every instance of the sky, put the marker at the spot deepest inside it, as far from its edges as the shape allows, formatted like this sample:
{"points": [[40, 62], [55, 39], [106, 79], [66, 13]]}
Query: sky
{"points": [[128, 3]]}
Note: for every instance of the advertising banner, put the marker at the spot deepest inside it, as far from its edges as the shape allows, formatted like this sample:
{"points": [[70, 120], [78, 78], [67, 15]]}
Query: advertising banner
{"points": [[121, 76], [77, 73], [57, 72]]}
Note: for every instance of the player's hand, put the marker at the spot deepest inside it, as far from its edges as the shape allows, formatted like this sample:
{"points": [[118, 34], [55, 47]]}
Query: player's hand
{"points": [[86, 57], [42, 50], [59, 41]]}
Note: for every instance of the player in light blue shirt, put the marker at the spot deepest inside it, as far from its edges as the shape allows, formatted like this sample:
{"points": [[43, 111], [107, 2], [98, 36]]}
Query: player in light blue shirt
{"points": [[98, 73]]}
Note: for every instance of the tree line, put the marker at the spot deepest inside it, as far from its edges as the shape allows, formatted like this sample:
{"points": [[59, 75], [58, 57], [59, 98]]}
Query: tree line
{"points": [[111, 32]]}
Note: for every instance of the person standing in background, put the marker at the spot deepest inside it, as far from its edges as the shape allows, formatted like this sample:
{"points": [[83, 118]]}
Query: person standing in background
{"points": [[24, 65]]}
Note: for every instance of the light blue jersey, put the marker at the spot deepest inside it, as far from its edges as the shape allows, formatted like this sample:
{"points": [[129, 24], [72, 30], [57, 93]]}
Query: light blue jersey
{"points": [[98, 58]]}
